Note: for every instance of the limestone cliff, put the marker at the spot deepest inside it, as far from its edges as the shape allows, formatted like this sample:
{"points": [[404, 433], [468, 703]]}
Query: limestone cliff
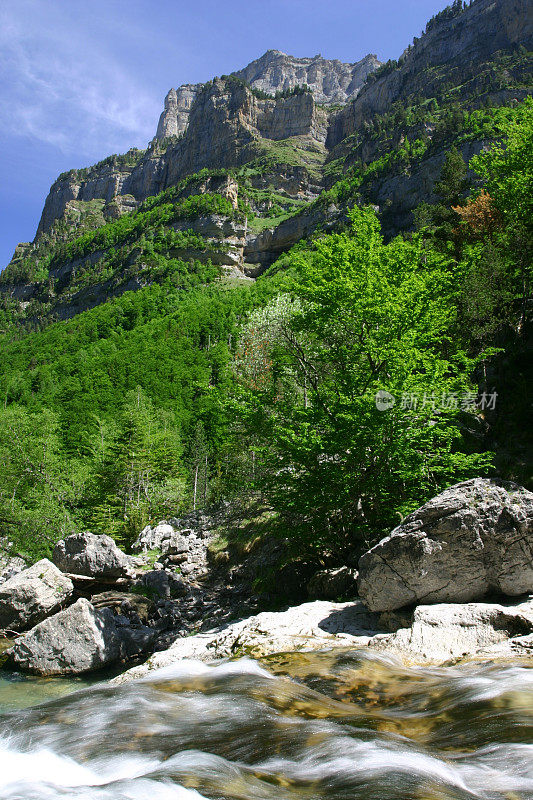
{"points": [[175, 117], [226, 126], [451, 52], [227, 123], [331, 83], [282, 151]]}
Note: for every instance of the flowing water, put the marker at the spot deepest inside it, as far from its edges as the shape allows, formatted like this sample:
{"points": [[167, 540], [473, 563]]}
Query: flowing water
{"points": [[340, 725]]}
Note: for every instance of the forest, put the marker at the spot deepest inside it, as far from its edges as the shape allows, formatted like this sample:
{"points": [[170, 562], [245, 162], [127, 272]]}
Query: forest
{"points": [[199, 388]]}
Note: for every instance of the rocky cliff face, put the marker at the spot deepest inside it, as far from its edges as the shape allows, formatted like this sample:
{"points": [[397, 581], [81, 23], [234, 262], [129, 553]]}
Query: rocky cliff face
{"points": [[284, 150], [224, 129], [331, 82], [450, 52], [118, 181], [175, 117], [227, 122]]}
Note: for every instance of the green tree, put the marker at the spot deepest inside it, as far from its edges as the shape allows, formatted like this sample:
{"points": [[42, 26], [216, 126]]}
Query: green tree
{"points": [[507, 172], [139, 475], [40, 486], [367, 318], [452, 183], [439, 220]]}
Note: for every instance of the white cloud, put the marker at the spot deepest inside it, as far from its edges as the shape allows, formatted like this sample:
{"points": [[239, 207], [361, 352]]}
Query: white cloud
{"points": [[64, 85]]}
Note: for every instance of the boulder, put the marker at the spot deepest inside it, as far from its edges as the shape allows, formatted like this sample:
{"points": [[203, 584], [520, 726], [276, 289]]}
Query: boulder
{"points": [[33, 594], [152, 538], [176, 544], [331, 584], [10, 566], [79, 639], [159, 583], [91, 555], [473, 539], [432, 634], [449, 631]]}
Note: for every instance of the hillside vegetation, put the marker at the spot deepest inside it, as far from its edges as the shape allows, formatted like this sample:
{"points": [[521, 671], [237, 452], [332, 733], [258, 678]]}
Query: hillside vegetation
{"points": [[380, 355]]}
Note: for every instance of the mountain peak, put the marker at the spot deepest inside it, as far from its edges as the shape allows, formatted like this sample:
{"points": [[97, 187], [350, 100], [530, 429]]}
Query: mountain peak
{"points": [[331, 82]]}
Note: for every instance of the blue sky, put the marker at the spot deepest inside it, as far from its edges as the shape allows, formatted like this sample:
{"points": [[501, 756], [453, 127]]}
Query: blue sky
{"points": [[80, 79]]}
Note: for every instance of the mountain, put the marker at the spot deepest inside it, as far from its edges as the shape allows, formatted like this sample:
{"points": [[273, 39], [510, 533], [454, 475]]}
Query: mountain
{"points": [[471, 55], [462, 48], [146, 332], [290, 142], [330, 82]]}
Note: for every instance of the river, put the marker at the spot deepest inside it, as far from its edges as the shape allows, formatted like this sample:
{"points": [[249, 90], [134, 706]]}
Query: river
{"points": [[340, 725]]}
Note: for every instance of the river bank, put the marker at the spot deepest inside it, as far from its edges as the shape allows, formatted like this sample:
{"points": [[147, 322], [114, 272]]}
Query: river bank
{"points": [[378, 697]]}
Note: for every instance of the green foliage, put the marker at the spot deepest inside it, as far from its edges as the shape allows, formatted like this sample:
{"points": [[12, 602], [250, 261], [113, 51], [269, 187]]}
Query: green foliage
{"points": [[40, 484], [507, 170], [366, 317], [131, 226], [137, 470], [128, 413], [507, 173], [439, 220], [123, 384]]}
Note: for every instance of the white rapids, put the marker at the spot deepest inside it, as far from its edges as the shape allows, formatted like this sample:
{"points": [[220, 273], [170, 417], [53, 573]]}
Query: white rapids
{"points": [[322, 726]]}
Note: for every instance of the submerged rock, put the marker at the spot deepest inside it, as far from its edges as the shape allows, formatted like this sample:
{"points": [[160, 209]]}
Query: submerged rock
{"points": [[436, 634], [79, 639], [91, 555], [474, 538], [448, 631], [33, 594]]}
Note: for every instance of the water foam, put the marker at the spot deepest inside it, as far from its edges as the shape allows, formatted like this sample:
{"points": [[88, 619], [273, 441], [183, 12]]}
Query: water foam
{"points": [[45, 775], [191, 668]]}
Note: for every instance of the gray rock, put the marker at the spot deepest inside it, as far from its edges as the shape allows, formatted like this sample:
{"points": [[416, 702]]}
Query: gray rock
{"points": [[88, 554], [464, 41], [162, 584], [156, 582], [474, 538], [79, 639], [449, 631], [175, 117], [517, 647], [436, 634], [330, 584], [10, 566], [33, 594], [152, 538], [331, 82], [176, 544], [310, 626]]}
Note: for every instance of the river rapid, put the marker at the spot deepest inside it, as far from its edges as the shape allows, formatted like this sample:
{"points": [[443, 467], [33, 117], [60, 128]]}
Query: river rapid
{"points": [[340, 725]]}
